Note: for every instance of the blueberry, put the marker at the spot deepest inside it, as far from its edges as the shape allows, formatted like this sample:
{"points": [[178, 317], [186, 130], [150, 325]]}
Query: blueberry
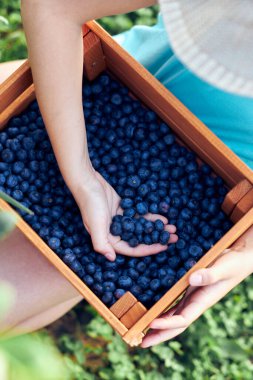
{"points": [[110, 275], [143, 282], [195, 251], [126, 203], [155, 164], [128, 224], [28, 143], [142, 208], [164, 237], [155, 237], [141, 267], [181, 272], [7, 156], [133, 181], [133, 273], [148, 226], [180, 244], [169, 139], [206, 231], [159, 225], [155, 284], [12, 181], [54, 243], [130, 212], [173, 262], [153, 208], [133, 242], [119, 293], [116, 99], [116, 229], [125, 282], [164, 207], [189, 263], [109, 286]]}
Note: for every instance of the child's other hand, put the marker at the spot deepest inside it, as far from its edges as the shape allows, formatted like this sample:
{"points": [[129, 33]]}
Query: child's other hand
{"points": [[98, 203], [207, 287]]}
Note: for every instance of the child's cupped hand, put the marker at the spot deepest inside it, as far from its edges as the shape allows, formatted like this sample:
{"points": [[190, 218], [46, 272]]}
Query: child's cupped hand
{"points": [[98, 203]]}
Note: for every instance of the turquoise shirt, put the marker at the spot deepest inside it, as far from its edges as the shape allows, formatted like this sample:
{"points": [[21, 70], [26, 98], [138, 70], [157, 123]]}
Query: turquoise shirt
{"points": [[229, 116]]}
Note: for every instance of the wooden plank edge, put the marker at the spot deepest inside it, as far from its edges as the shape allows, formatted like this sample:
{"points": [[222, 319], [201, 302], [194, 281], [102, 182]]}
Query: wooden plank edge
{"points": [[18, 105], [225, 242], [15, 84], [133, 315], [124, 303], [66, 271]]}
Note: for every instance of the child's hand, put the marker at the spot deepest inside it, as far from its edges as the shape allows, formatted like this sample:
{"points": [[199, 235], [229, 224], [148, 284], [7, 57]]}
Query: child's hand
{"points": [[208, 286], [98, 203]]}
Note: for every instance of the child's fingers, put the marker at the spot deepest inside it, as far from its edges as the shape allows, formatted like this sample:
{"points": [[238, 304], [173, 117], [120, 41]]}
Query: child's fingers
{"points": [[225, 267], [156, 337]]}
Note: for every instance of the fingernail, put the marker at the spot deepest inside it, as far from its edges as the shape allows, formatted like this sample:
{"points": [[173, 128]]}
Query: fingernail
{"points": [[110, 256], [196, 279]]}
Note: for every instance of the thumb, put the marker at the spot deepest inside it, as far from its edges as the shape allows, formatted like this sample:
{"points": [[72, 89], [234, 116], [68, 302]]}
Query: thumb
{"points": [[100, 242], [225, 267], [205, 276]]}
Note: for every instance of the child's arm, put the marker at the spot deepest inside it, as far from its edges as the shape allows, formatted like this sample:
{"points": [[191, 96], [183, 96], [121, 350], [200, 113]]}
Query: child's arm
{"points": [[208, 286], [54, 36]]}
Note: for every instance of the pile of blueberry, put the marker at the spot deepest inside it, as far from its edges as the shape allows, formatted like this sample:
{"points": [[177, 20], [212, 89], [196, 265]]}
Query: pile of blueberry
{"points": [[139, 156]]}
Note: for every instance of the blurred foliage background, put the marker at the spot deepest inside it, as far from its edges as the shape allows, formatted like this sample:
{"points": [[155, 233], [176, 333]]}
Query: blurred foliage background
{"points": [[12, 38], [219, 346]]}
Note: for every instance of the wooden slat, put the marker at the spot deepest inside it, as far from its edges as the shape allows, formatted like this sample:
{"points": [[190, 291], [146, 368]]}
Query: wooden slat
{"points": [[17, 106], [235, 195], [13, 86], [242, 207], [123, 304], [225, 242], [133, 315], [66, 271], [94, 62], [207, 145]]}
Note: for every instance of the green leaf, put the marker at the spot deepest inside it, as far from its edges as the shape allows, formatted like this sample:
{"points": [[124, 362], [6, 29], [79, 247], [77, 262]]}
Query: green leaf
{"points": [[4, 20], [15, 203], [7, 223]]}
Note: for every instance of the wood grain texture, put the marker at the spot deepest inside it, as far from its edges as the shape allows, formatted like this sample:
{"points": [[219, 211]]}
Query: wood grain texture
{"points": [[235, 195], [123, 304], [133, 315], [242, 207], [187, 126], [17, 106], [225, 242], [13, 86], [94, 62], [66, 271]]}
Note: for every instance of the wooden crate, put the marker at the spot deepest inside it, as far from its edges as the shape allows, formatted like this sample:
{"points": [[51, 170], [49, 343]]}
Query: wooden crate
{"points": [[128, 316]]}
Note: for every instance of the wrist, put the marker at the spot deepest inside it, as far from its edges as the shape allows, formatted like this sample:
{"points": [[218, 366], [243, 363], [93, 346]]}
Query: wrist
{"points": [[81, 179]]}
